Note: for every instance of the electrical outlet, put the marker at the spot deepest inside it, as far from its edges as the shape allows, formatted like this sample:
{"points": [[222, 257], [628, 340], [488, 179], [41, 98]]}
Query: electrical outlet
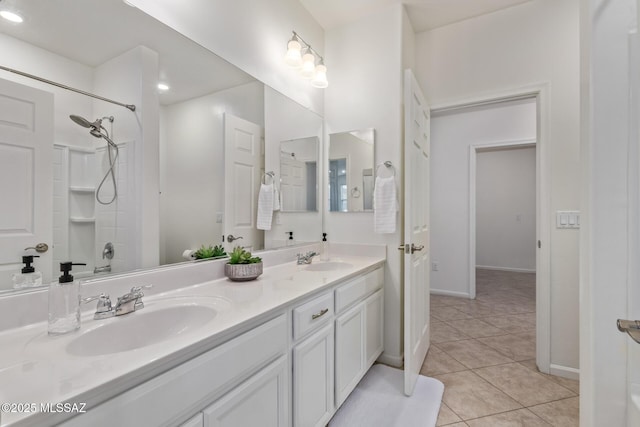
{"points": [[435, 265], [219, 217]]}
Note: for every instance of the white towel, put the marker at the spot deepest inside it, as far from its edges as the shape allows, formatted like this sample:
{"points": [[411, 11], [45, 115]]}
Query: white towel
{"points": [[385, 205], [265, 207], [276, 198]]}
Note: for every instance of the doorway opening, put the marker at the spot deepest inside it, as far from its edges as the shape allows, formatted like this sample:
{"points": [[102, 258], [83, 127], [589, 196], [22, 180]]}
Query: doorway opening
{"points": [[466, 137]]}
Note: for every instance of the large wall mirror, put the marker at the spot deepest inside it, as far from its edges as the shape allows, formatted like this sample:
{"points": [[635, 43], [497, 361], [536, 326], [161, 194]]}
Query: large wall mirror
{"points": [[174, 171], [351, 171]]}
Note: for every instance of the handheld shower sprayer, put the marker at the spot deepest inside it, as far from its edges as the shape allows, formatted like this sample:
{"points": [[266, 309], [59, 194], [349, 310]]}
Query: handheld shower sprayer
{"points": [[97, 130]]}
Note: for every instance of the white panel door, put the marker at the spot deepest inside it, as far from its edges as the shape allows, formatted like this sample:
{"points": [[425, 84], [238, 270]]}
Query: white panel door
{"points": [[633, 281], [293, 184], [313, 379], [26, 180], [243, 162], [416, 231]]}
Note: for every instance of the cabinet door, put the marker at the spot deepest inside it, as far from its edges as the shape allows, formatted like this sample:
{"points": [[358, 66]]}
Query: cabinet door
{"points": [[313, 379], [262, 400], [349, 351], [374, 316], [196, 421]]}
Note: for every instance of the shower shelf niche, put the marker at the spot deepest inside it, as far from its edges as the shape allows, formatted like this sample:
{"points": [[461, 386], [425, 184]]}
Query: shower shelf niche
{"points": [[75, 189], [80, 220]]}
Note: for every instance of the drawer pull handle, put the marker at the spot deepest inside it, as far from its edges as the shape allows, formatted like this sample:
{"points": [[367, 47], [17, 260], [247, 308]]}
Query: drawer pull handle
{"points": [[320, 314]]}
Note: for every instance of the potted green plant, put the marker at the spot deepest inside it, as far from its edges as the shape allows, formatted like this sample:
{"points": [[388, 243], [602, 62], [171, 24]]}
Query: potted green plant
{"points": [[242, 266], [210, 252]]}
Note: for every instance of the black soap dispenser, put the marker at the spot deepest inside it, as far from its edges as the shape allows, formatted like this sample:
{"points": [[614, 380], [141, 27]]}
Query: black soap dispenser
{"points": [[28, 277], [324, 253], [290, 241], [64, 302]]}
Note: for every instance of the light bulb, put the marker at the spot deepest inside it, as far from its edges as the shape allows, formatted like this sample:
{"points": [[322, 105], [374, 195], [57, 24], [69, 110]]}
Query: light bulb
{"points": [[163, 87], [10, 16], [293, 58], [320, 78], [308, 65]]}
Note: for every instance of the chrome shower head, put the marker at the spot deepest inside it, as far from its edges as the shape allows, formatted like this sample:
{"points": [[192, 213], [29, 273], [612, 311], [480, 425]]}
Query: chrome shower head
{"points": [[84, 122]]}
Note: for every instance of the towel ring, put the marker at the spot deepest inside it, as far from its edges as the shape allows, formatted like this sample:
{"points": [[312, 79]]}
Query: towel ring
{"points": [[269, 174], [388, 165]]}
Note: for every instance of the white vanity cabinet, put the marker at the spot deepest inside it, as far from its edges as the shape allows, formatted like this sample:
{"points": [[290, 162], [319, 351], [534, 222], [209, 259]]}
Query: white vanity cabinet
{"points": [[359, 331], [313, 361], [295, 369], [252, 367], [262, 400]]}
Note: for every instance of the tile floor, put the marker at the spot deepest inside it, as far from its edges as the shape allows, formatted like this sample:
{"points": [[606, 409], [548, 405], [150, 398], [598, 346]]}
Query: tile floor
{"points": [[483, 350]]}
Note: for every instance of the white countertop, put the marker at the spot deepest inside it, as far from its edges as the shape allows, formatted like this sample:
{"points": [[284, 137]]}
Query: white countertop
{"points": [[36, 368]]}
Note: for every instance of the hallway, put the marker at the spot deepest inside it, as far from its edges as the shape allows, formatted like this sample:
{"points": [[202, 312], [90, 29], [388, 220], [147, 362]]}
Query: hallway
{"points": [[483, 350]]}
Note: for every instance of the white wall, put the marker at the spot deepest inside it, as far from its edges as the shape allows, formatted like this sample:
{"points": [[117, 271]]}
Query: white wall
{"points": [[192, 167], [533, 43], [34, 60], [251, 35], [506, 209], [452, 133], [609, 235], [365, 91], [286, 120]]}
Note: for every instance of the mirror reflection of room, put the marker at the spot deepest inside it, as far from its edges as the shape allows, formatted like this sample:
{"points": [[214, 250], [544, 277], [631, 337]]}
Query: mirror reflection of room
{"points": [[351, 180], [132, 190], [298, 174]]}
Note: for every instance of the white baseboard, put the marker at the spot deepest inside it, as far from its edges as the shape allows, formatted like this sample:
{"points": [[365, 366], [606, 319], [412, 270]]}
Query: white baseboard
{"points": [[516, 270], [564, 372], [391, 360], [449, 293]]}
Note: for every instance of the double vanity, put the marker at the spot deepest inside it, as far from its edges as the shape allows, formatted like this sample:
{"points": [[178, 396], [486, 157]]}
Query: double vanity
{"points": [[284, 350]]}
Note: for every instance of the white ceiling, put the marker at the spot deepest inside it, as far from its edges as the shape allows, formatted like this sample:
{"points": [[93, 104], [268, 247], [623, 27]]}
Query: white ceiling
{"points": [[93, 31], [424, 14]]}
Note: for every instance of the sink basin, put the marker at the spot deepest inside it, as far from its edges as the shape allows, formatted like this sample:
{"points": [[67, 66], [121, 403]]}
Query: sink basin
{"points": [[142, 328], [329, 266]]}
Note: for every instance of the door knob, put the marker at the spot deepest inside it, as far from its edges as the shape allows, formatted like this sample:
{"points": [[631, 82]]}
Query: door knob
{"points": [[410, 249], [40, 248], [631, 327], [416, 248], [231, 238]]}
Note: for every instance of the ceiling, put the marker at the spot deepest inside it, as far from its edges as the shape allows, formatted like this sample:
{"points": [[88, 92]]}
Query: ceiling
{"points": [[92, 32], [424, 14]]}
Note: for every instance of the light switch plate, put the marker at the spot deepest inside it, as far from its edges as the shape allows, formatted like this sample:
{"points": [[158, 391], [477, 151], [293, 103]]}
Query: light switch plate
{"points": [[567, 219]]}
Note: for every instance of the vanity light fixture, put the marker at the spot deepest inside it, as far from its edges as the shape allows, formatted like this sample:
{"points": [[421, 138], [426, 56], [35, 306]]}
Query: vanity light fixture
{"points": [[305, 60], [10, 16], [163, 87]]}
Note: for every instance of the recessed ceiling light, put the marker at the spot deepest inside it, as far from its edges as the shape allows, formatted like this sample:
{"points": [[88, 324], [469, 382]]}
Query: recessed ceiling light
{"points": [[10, 16], [163, 87]]}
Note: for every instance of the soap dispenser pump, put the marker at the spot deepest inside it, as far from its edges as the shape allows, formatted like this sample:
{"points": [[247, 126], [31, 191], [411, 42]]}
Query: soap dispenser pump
{"points": [[64, 302], [28, 277], [324, 254]]}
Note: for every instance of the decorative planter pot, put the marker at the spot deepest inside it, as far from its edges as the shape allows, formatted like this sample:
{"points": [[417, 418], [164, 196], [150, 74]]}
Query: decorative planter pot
{"points": [[243, 272]]}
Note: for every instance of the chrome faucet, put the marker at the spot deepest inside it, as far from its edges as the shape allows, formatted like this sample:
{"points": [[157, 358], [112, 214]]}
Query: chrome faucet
{"points": [[129, 302], [306, 258], [103, 269]]}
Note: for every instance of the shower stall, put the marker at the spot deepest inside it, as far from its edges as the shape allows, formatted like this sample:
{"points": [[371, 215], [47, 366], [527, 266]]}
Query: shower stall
{"points": [[90, 220]]}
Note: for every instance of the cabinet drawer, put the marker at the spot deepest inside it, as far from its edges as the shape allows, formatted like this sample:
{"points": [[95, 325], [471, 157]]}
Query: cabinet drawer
{"points": [[358, 288], [312, 315]]}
